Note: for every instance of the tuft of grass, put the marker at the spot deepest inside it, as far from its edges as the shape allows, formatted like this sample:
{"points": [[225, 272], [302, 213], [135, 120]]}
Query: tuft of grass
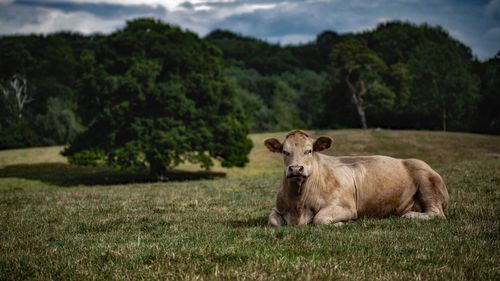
{"points": [[64, 222]]}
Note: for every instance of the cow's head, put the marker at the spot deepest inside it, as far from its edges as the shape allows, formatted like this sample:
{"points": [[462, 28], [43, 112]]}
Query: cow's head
{"points": [[298, 151]]}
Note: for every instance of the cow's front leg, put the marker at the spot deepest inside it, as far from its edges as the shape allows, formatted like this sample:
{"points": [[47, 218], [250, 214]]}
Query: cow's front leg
{"points": [[334, 215], [275, 218]]}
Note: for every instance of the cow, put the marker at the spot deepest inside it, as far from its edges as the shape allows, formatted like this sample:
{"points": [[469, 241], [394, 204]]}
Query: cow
{"points": [[322, 189]]}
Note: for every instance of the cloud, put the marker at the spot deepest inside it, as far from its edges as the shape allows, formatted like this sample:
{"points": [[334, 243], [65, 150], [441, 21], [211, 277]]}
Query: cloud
{"points": [[291, 39], [52, 16], [493, 32], [493, 8], [47, 21], [103, 10], [463, 19], [169, 4], [284, 21], [85, 23]]}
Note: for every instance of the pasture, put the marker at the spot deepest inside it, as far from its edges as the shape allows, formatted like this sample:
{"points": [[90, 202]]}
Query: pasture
{"points": [[79, 223]]}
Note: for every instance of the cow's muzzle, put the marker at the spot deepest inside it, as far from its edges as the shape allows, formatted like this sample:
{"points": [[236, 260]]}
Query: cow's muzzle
{"points": [[295, 171]]}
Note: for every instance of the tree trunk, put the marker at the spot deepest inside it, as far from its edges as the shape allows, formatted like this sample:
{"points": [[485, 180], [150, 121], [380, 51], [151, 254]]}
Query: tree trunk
{"points": [[444, 118], [358, 99], [157, 170], [362, 117], [18, 90]]}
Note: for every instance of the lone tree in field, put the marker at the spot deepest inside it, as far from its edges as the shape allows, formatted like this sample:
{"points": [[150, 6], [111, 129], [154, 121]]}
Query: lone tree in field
{"points": [[361, 69], [155, 96]]}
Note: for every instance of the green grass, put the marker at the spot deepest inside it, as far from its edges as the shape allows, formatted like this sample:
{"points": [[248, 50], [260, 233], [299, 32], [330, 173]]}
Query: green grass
{"points": [[73, 223]]}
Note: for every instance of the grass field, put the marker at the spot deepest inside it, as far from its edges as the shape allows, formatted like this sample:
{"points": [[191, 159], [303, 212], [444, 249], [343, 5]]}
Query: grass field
{"points": [[72, 223]]}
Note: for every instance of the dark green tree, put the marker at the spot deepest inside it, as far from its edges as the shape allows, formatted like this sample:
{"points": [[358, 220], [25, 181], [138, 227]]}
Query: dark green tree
{"points": [[247, 52], [155, 96], [444, 89], [308, 85], [271, 103], [58, 125], [488, 113], [324, 44], [361, 69]]}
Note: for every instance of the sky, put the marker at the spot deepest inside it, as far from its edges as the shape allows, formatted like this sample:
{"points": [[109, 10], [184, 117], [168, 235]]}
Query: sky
{"points": [[476, 23]]}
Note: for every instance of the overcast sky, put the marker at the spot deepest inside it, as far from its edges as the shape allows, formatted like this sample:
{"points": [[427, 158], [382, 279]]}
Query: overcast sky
{"points": [[476, 23]]}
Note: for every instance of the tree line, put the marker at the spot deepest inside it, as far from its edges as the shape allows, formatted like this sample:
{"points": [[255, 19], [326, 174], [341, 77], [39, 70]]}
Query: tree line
{"points": [[127, 97], [399, 75]]}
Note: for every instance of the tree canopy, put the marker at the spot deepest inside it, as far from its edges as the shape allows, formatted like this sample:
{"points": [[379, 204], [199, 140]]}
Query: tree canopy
{"points": [[156, 96], [171, 89], [361, 69]]}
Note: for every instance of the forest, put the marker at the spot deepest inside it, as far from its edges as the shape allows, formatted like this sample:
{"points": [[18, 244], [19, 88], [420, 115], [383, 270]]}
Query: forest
{"points": [[399, 75]]}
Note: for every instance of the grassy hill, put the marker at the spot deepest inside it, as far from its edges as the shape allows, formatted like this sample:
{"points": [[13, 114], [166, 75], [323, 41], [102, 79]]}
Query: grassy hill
{"points": [[64, 222]]}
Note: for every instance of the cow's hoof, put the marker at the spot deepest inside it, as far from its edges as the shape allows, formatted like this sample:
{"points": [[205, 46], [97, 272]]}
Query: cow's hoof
{"points": [[416, 215], [275, 221]]}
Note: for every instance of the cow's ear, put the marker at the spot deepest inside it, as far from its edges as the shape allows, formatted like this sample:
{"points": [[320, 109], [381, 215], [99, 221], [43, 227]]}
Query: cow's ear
{"points": [[322, 143], [273, 145]]}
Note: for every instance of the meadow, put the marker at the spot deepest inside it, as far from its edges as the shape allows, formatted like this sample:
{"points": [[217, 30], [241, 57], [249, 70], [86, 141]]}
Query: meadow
{"points": [[65, 222]]}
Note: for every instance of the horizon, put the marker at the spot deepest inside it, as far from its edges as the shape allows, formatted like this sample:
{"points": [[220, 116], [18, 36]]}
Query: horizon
{"points": [[476, 25]]}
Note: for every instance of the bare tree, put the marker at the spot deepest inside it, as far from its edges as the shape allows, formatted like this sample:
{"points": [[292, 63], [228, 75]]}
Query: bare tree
{"points": [[357, 97], [16, 95], [361, 65]]}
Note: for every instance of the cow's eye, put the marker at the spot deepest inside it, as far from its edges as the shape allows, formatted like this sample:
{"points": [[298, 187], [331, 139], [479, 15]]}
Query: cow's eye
{"points": [[286, 153], [309, 151]]}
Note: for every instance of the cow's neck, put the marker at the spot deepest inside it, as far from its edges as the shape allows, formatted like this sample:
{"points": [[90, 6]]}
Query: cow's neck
{"points": [[294, 187], [300, 190]]}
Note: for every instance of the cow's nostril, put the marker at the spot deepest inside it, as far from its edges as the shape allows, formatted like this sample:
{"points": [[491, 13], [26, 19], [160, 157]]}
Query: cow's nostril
{"points": [[290, 168], [301, 168]]}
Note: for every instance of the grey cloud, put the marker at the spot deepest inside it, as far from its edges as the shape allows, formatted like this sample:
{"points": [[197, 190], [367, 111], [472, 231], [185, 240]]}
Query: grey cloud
{"points": [[464, 21], [97, 9], [42, 20], [18, 14], [286, 21], [187, 5], [30, 16], [311, 18], [492, 9]]}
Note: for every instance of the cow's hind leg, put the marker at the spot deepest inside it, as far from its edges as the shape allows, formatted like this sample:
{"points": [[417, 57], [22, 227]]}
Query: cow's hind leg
{"points": [[416, 210], [431, 197]]}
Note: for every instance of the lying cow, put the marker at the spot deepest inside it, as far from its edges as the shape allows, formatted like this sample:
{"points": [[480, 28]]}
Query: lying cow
{"points": [[321, 189]]}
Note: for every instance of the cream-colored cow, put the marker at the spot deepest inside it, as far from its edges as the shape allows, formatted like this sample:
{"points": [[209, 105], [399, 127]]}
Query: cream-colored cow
{"points": [[321, 189]]}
